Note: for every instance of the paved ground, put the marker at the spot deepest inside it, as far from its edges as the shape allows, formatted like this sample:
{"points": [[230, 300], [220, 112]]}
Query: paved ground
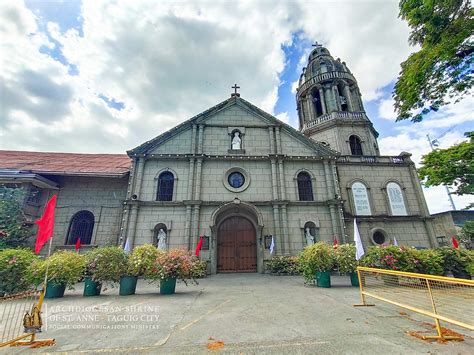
{"points": [[241, 313]]}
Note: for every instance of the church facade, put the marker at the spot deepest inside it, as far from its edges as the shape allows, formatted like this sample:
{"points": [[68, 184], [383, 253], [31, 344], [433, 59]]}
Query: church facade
{"points": [[241, 178]]}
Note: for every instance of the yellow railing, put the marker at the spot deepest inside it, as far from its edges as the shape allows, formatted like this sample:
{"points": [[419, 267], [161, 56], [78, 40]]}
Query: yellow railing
{"points": [[441, 298]]}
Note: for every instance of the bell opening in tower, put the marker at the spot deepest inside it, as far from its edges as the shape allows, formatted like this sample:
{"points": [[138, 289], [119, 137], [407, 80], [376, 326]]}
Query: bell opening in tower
{"points": [[318, 108], [342, 98]]}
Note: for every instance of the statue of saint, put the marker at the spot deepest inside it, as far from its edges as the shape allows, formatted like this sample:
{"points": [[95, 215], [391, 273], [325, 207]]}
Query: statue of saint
{"points": [[161, 239], [309, 237], [236, 142]]}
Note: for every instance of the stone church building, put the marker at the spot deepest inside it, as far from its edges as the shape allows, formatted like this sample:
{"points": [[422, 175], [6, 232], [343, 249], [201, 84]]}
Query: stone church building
{"points": [[238, 176]]}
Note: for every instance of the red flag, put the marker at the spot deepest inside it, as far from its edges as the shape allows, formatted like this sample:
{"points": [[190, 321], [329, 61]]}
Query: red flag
{"points": [[78, 243], [199, 245], [45, 224], [455, 242], [335, 243]]}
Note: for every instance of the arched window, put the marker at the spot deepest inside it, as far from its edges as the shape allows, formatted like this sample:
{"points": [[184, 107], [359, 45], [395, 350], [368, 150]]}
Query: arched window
{"points": [[395, 199], [305, 188], [165, 187], [356, 146], [361, 199], [81, 226]]}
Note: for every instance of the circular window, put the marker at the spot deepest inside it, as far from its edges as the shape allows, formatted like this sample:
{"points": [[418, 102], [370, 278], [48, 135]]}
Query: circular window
{"points": [[236, 179], [378, 237]]}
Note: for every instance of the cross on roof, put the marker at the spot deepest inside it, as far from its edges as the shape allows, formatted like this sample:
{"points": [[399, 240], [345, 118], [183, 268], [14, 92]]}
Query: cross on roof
{"points": [[316, 44], [235, 87]]}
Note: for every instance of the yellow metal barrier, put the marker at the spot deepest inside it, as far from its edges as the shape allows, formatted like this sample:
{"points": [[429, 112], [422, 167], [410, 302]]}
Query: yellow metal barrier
{"points": [[442, 298], [21, 319]]}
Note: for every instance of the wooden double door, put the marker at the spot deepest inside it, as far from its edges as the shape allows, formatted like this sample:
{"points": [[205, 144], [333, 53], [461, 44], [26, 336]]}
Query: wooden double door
{"points": [[236, 246]]}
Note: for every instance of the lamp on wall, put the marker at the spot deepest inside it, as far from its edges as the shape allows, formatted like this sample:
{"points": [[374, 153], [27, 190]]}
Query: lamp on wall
{"points": [[268, 241]]}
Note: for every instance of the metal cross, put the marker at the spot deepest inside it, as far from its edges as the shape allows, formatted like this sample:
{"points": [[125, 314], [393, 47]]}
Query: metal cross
{"points": [[316, 44], [235, 87]]}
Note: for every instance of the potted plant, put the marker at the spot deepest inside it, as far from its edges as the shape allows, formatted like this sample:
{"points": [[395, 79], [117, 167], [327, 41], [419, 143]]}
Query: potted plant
{"points": [[283, 265], [198, 269], [317, 260], [346, 261], [14, 265], [170, 266], [139, 263], [427, 261], [65, 268], [456, 261], [103, 266]]}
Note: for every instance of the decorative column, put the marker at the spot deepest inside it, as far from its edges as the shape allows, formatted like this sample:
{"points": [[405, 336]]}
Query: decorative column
{"points": [[312, 113], [132, 227], [187, 226], [323, 101], [336, 97], [274, 180], [272, 140], [193, 140], [278, 231], [278, 140], [195, 229], [200, 139]]}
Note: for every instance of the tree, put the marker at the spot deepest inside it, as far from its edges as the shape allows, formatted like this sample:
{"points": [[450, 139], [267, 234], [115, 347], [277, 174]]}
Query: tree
{"points": [[466, 236], [451, 166], [14, 231], [441, 71]]}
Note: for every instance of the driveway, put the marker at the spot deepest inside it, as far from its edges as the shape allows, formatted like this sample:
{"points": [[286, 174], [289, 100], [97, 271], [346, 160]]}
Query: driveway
{"points": [[236, 313]]}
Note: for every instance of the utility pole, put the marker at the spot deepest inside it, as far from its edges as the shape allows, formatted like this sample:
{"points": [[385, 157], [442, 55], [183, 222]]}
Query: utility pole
{"points": [[433, 143]]}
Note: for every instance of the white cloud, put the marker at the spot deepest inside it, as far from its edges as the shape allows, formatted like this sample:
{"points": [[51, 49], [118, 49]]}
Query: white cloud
{"points": [[284, 117], [386, 110]]}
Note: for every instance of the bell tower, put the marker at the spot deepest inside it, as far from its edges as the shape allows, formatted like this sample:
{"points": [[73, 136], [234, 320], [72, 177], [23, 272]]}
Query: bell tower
{"points": [[330, 108]]}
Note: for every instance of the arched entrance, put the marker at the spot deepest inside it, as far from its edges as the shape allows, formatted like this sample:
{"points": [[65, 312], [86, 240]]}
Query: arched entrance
{"points": [[236, 245]]}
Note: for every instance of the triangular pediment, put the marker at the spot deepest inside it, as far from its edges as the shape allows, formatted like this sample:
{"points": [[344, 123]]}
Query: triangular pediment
{"points": [[234, 111]]}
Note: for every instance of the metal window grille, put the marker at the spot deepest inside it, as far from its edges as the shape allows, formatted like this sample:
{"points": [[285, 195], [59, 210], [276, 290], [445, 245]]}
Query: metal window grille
{"points": [[356, 146], [305, 188], [165, 187], [81, 226]]}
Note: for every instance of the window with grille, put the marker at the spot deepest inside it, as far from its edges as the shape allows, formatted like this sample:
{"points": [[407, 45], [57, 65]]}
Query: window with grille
{"points": [[165, 187], [305, 188], [356, 146], [81, 226]]}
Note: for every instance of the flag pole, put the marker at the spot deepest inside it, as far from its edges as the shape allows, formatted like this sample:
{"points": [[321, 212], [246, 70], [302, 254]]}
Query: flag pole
{"points": [[47, 264]]}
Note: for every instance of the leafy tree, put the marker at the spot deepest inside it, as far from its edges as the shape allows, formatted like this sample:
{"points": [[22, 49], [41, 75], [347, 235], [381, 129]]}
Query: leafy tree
{"points": [[442, 69], [451, 166], [466, 236], [14, 231]]}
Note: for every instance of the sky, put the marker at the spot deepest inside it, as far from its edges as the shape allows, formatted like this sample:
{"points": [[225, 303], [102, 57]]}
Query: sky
{"points": [[105, 76]]}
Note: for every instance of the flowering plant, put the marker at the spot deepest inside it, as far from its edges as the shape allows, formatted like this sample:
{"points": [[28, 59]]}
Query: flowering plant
{"points": [[318, 257], [106, 264], [283, 265], [174, 264], [64, 268], [14, 264], [390, 257], [345, 258], [142, 260], [199, 268]]}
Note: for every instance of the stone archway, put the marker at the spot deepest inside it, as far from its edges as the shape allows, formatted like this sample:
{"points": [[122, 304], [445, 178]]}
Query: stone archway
{"points": [[236, 241]]}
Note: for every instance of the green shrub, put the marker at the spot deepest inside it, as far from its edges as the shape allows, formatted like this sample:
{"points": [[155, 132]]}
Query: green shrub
{"points": [[64, 268], [14, 264], [106, 264], [142, 259], [283, 265], [318, 257], [345, 258], [455, 260], [427, 261]]}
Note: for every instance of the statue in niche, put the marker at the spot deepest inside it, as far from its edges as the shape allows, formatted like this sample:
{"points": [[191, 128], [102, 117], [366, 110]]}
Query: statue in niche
{"points": [[309, 237], [161, 237], [236, 142]]}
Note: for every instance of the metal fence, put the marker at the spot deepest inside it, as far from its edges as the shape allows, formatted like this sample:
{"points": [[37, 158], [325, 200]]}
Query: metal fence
{"points": [[441, 298], [21, 319]]}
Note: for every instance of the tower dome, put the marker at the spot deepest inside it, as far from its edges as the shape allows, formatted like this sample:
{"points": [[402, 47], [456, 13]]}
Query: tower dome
{"points": [[328, 96]]}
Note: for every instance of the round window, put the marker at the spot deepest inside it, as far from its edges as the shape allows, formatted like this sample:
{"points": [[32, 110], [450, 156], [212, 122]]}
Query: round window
{"points": [[236, 179], [379, 238]]}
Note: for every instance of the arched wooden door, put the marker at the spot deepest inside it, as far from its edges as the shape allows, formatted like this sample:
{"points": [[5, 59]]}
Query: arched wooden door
{"points": [[236, 246]]}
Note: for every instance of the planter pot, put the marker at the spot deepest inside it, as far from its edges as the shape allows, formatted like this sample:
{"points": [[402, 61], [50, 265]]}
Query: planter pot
{"points": [[354, 279], [167, 286], [128, 285], [323, 279], [91, 288], [55, 290], [462, 275]]}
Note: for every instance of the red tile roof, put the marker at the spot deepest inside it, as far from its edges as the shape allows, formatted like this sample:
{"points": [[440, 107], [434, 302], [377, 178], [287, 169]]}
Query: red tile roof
{"points": [[65, 163]]}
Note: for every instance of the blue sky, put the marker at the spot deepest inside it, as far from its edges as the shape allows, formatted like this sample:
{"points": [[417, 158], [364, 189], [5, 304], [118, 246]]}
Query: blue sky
{"points": [[106, 76]]}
